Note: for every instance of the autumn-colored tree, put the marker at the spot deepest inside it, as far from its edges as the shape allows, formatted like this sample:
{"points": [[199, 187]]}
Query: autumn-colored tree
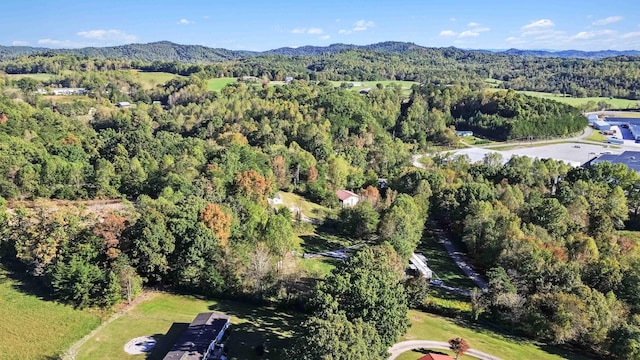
{"points": [[219, 221], [458, 346], [253, 185], [279, 166], [312, 175], [372, 195], [110, 230]]}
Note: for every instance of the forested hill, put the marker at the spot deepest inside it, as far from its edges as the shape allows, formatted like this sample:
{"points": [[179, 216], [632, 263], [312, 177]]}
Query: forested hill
{"points": [[168, 51], [157, 51]]}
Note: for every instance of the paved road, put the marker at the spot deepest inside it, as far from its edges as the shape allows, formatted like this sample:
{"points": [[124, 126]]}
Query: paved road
{"points": [[457, 257], [405, 346]]}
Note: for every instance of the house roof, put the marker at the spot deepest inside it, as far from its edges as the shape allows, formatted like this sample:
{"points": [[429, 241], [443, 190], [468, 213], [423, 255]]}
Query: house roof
{"points": [[602, 123], [345, 194], [436, 357], [195, 340]]}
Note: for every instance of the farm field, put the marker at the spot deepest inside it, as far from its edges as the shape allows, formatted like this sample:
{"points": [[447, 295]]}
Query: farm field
{"points": [[164, 316], [39, 77], [432, 327], [33, 327], [616, 103], [218, 83], [151, 79]]}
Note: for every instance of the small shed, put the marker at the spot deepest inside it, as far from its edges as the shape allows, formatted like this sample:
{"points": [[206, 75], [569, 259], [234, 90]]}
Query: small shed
{"points": [[123, 104], [348, 198], [592, 118], [601, 125], [464, 133]]}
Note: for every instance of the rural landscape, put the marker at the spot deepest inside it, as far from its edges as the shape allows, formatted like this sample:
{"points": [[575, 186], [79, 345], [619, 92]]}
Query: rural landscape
{"points": [[381, 200]]}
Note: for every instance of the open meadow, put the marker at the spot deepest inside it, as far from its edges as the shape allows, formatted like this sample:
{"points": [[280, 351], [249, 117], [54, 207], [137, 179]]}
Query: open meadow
{"points": [[218, 84], [33, 326]]}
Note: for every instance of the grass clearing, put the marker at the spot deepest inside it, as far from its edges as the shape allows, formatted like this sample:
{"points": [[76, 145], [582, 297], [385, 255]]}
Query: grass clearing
{"points": [[33, 327], [596, 136], [475, 141], [416, 354], [38, 77], [442, 264], [577, 102], [309, 209], [165, 316], [152, 79], [426, 326], [218, 83]]}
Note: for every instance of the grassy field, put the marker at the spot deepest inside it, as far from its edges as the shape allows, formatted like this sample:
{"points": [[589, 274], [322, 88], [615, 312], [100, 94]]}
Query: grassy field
{"points": [[38, 77], [442, 265], [151, 79], [309, 209], [616, 103], [218, 83], [475, 141], [165, 316], [33, 327], [596, 136], [432, 327]]}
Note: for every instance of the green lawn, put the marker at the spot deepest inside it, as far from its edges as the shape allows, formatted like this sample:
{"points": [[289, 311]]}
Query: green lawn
{"points": [[33, 327], [309, 209], [472, 140], [416, 354], [573, 101], [152, 79], [596, 136], [432, 327], [218, 83], [165, 316], [442, 264], [38, 77]]}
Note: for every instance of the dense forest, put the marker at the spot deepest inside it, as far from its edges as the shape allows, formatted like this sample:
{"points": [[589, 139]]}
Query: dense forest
{"points": [[199, 166], [617, 76]]}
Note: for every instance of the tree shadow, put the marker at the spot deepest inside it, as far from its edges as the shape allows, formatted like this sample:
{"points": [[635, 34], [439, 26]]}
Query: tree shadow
{"points": [[164, 342], [23, 282], [261, 326], [429, 351]]}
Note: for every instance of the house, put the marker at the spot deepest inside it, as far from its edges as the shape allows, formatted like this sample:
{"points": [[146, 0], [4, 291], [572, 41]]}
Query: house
{"points": [[418, 265], [276, 200], [202, 339], [69, 91], [348, 198], [601, 125], [433, 356], [123, 104], [288, 79], [464, 133]]}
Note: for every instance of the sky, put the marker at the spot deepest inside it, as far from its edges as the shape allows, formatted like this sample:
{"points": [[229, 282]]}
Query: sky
{"points": [[260, 25]]}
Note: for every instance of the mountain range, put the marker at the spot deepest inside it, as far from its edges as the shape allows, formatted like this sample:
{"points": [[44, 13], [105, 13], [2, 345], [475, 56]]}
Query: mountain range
{"points": [[168, 51]]}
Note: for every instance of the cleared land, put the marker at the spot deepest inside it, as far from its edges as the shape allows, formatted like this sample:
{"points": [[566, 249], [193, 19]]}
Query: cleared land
{"points": [[432, 327], [165, 316], [39, 77], [33, 327], [151, 79], [308, 208], [218, 83], [573, 101]]}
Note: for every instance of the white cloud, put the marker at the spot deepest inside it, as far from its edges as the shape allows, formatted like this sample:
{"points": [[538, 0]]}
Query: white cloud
{"points": [[20, 43], [60, 43], [310, 31], [360, 25], [184, 22], [107, 35], [325, 37], [538, 25], [469, 33], [473, 24], [607, 21], [448, 33], [452, 19], [586, 35], [631, 35]]}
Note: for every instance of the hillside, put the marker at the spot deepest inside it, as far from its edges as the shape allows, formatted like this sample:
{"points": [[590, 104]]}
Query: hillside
{"points": [[168, 51]]}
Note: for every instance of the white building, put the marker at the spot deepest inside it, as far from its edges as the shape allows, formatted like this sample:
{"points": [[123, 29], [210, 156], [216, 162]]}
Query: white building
{"points": [[348, 198]]}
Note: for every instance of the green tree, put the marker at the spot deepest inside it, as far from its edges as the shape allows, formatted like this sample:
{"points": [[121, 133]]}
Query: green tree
{"points": [[402, 226]]}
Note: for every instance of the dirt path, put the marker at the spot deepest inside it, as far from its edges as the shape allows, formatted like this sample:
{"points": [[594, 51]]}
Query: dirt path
{"points": [[405, 346], [72, 352]]}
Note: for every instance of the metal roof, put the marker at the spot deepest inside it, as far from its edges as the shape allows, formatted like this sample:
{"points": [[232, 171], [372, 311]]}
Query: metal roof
{"points": [[629, 158], [196, 339]]}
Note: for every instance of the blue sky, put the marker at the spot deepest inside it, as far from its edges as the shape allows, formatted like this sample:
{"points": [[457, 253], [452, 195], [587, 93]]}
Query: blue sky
{"points": [[263, 25]]}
